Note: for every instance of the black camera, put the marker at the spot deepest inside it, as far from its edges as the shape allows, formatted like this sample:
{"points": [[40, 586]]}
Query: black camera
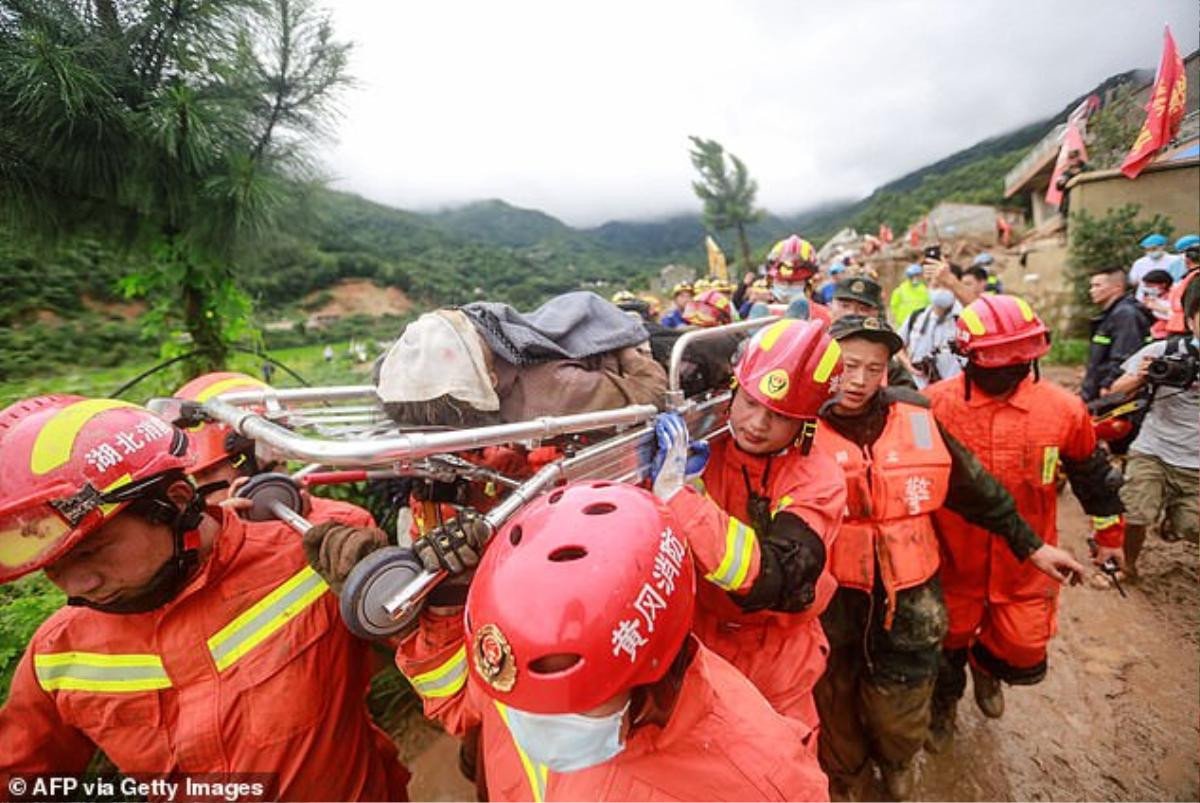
{"points": [[1173, 370]]}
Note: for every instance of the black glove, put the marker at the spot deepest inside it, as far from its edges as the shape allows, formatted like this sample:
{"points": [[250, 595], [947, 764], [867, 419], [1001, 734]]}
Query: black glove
{"points": [[455, 546], [333, 549]]}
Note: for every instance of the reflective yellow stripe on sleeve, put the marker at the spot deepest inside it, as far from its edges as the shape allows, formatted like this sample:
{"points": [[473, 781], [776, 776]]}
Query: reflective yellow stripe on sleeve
{"points": [[735, 563], [266, 617], [1104, 522], [91, 671], [538, 774], [445, 680]]}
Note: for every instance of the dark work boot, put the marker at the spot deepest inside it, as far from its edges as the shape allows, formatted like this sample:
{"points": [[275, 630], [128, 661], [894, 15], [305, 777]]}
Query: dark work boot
{"points": [[988, 693], [941, 725], [898, 780]]}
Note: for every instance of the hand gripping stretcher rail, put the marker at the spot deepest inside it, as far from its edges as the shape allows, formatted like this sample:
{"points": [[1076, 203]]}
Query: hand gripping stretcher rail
{"points": [[385, 592]]}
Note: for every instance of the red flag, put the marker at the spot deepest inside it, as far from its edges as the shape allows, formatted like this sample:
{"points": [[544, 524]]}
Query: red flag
{"points": [[885, 233], [1163, 112], [1072, 141]]}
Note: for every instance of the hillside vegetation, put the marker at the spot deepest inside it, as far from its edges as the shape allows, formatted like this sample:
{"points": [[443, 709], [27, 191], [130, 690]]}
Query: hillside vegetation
{"points": [[60, 305]]}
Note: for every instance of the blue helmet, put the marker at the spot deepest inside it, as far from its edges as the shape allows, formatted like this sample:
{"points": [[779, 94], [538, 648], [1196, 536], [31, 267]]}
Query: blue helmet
{"points": [[983, 259], [1187, 241], [912, 270], [836, 268], [1153, 241]]}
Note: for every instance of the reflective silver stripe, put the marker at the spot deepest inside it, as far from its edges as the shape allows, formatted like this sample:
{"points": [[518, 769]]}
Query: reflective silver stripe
{"points": [[265, 617], [445, 680], [100, 672], [922, 432], [736, 561], [86, 672]]}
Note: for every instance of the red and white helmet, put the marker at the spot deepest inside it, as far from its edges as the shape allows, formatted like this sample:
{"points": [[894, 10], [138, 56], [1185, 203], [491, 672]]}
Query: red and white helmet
{"points": [[71, 464], [710, 308], [211, 441], [585, 594], [791, 260], [995, 331], [791, 367]]}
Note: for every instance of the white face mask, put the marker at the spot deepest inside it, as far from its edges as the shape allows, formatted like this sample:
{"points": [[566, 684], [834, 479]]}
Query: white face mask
{"points": [[568, 742], [787, 293]]}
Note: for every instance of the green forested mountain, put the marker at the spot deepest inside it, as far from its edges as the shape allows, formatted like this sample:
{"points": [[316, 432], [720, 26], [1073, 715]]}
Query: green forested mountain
{"points": [[60, 302]]}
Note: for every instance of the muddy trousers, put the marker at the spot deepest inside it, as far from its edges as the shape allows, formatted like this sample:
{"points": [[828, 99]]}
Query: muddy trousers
{"points": [[874, 698]]}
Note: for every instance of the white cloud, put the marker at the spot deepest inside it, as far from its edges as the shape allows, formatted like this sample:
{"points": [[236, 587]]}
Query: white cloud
{"points": [[583, 109]]}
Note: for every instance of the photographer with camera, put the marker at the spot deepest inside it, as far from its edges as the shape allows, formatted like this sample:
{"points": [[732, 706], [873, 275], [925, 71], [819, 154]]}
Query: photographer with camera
{"points": [[1162, 473]]}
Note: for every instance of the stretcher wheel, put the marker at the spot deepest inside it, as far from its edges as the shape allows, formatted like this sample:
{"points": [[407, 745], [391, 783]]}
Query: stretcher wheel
{"points": [[375, 579], [264, 489]]}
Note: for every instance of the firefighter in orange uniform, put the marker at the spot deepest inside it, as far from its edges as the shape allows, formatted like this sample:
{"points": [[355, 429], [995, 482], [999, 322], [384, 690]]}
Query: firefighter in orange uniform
{"points": [[577, 659], [887, 619], [766, 516], [192, 642], [1002, 612]]}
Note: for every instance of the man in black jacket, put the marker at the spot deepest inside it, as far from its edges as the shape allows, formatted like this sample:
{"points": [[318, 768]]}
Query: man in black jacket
{"points": [[1118, 331]]}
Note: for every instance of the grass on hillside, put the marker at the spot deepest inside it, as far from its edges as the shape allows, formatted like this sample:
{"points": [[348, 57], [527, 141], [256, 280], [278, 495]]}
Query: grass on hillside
{"points": [[307, 361]]}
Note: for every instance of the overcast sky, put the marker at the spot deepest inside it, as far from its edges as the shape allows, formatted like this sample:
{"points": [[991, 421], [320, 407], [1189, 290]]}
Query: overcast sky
{"points": [[582, 109]]}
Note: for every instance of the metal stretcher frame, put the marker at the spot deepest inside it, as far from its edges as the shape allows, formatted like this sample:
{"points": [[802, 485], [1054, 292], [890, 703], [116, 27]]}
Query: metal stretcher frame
{"points": [[623, 457]]}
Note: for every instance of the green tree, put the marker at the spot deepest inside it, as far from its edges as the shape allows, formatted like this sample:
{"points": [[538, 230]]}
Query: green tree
{"points": [[1105, 242], [1112, 130], [728, 197], [176, 127]]}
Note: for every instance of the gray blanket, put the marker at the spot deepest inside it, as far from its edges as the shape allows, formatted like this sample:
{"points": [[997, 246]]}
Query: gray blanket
{"points": [[571, 326]]}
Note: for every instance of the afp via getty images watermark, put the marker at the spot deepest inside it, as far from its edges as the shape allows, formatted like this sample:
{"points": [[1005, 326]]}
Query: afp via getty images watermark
{"points": [[202, 788]]}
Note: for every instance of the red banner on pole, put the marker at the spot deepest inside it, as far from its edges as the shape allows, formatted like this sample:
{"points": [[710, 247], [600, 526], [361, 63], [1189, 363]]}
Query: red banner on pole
{"points": [[1164, 111]]}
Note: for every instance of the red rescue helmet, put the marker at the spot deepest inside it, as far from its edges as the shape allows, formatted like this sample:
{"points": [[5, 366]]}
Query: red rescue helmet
{"points": [[71, 464], [791, 367], [211, 442], [585, 594], [791, 260], [710, 308], [996, 331]]}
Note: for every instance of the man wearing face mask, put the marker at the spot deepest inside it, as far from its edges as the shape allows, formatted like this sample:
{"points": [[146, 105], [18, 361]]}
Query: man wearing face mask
{"points": [[1155, 246], [1002, 612], [791, 264], [887, 619], [193, 642], [929, 337], [767, 515], [576, 656]]}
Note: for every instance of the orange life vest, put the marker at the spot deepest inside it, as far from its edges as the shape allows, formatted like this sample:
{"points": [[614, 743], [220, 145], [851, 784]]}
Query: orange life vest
{"points": [[892, 487]]}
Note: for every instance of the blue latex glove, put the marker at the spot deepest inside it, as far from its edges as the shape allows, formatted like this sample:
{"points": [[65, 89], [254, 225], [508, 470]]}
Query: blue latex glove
{"points": [[674, 462]]}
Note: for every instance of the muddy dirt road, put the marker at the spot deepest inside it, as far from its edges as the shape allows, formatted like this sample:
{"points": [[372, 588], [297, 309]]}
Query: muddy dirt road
{"points": [[1116, 717]]}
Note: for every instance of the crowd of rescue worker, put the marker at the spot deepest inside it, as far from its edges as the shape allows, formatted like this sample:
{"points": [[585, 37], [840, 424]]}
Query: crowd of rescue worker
{"points": [[784, 610]]}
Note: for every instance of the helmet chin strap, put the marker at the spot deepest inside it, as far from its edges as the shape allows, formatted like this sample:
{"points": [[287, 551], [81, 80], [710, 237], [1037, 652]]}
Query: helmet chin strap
{"points": [[169, 579]]}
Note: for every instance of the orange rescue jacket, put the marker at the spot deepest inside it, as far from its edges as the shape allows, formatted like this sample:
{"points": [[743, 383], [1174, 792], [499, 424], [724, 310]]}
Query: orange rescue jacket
{"points": [[892, 488], [721, 742], [1019, 440], [248, 670], [783, 654]]}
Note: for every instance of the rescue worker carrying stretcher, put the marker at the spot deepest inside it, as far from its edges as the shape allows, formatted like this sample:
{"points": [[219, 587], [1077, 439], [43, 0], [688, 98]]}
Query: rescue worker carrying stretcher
{"points": [[767, 515], [576, 656], [887, 619], [193, 642], [1002, 611]]}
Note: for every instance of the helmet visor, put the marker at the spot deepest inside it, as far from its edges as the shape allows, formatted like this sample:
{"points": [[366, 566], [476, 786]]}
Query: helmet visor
{"points": [[29, 539]]}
